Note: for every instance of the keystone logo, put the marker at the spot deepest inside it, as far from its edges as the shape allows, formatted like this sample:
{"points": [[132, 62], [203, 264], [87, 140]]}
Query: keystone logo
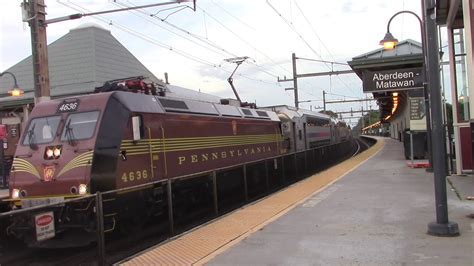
{"points": [[48, 173], [44, 220]]}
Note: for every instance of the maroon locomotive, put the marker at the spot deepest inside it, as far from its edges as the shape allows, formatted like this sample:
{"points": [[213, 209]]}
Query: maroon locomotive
{"points": [[111, 140]]}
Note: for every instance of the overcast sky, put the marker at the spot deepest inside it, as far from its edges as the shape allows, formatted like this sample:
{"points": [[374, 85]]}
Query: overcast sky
{"points": [[192, 45]]}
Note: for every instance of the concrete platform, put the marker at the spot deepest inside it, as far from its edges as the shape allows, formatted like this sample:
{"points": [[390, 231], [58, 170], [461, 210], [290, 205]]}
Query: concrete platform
{"points": [[376, 215], [202, 244], [463, 186]]}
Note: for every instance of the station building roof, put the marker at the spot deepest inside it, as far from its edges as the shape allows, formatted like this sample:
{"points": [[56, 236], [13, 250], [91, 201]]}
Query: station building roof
{"points": [[407, 52], [81, 60]]}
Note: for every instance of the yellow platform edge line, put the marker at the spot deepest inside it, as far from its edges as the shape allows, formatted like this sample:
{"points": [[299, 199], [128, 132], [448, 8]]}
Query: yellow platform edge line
{"points": [[175, 253]]}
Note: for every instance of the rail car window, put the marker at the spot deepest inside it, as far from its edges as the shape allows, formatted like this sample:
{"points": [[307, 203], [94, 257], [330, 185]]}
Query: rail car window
{"points": [[167, 103], [247, 112], [317, 122], [41, 130], [80, 126], [262, 113]]}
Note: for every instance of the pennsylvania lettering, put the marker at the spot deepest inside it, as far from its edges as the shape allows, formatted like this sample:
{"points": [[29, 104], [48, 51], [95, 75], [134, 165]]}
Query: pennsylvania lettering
{"points": [[203, 157]]}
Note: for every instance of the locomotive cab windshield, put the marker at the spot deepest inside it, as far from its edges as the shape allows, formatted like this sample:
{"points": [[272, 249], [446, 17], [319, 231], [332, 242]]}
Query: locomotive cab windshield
{"points": [[41, 130], [80, 126]]}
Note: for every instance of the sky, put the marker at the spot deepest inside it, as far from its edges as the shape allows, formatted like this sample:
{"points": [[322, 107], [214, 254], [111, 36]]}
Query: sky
{"points": [[191, 46]]}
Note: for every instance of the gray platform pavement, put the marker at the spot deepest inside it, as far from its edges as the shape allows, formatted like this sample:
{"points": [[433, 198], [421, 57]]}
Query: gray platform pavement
{"points": [[463, 186], [375, 215]]}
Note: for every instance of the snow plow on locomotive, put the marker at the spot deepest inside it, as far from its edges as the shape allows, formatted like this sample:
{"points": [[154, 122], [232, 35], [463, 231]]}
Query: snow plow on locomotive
{"points": [[117, 139]]}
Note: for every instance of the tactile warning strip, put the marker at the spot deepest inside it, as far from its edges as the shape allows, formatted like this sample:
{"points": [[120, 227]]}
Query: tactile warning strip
{"points": [[204, 243]]}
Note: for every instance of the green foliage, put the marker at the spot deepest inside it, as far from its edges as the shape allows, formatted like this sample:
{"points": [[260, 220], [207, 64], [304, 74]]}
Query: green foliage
{"points": [[330, 113]]}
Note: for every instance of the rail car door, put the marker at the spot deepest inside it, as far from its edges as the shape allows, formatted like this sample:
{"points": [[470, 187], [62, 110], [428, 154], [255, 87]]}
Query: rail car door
{"points": [[305, 136], [136, 164]]}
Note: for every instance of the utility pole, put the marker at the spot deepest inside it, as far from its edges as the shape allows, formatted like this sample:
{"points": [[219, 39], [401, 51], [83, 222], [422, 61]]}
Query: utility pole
{"points": [[39, 48], [295, 81]]}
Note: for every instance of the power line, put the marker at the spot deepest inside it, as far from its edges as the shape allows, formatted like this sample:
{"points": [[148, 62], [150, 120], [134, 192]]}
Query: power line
{"points": [[323, 61], [143, 36], [292, 27], [313, 30], [200, 38], [160, 44], [335, 94], [243, 40], [321, 41], [236, 18]]}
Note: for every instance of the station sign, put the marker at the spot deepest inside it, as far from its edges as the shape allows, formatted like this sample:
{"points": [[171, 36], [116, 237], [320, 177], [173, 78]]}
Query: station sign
{"points": [[393, 80], [417, 108], [417, 114]]}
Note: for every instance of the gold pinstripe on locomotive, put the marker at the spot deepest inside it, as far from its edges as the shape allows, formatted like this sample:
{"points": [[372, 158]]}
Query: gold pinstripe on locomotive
{"points": [[186, 144]]}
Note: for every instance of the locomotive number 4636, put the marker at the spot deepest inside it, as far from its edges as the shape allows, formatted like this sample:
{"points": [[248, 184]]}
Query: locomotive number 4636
{"points": [[68, 106], [134, 175]]}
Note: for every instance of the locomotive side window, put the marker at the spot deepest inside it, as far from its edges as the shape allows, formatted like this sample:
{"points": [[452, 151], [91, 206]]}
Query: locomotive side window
{"points": [[80, 126], [41, 130], [137, 126]]}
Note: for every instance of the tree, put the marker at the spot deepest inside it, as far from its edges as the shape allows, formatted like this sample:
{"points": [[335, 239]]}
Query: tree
{"points": [[330, 113]]}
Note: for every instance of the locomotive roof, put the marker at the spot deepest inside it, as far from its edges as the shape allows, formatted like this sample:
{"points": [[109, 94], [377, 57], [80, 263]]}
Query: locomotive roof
{"points": [[142, 103], [155, 104]]}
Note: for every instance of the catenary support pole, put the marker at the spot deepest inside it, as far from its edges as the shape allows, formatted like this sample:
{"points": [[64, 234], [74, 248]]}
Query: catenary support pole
{"points": [[295, 81]]}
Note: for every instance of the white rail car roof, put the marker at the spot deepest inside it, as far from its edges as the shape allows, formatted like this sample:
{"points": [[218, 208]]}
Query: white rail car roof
{"points": [[294, 113]]}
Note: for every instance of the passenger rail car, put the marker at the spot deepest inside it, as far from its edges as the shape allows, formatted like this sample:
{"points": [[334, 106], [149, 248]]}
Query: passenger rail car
{"points": [[304, 129], [111, 140]]}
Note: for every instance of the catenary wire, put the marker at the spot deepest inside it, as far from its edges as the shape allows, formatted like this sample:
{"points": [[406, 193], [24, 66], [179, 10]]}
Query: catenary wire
{"points": [[160, 44]]}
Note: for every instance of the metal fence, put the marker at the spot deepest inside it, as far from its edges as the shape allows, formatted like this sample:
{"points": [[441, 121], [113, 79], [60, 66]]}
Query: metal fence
{"points": [[123, 222]]}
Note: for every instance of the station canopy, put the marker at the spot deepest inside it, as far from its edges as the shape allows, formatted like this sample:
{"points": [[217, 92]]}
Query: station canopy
{"points": [[384, 72]]}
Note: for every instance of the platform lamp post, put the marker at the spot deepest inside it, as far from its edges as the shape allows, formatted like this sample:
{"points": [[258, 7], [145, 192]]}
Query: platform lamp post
{"points": [[15, 91], [389, 42], [442, 226]]}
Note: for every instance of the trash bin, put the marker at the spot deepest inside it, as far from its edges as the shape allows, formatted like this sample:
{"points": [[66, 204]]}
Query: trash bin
{"points": [[419, 144]]}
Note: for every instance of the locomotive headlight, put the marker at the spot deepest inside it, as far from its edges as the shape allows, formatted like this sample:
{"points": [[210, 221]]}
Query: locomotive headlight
{"points": [[57, 152], [49, 153], [15, 193], [82, 189]]}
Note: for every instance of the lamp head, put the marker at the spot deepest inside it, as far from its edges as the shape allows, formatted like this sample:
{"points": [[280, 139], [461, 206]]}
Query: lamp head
{"points": [[16, 91], [388, 42]]}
